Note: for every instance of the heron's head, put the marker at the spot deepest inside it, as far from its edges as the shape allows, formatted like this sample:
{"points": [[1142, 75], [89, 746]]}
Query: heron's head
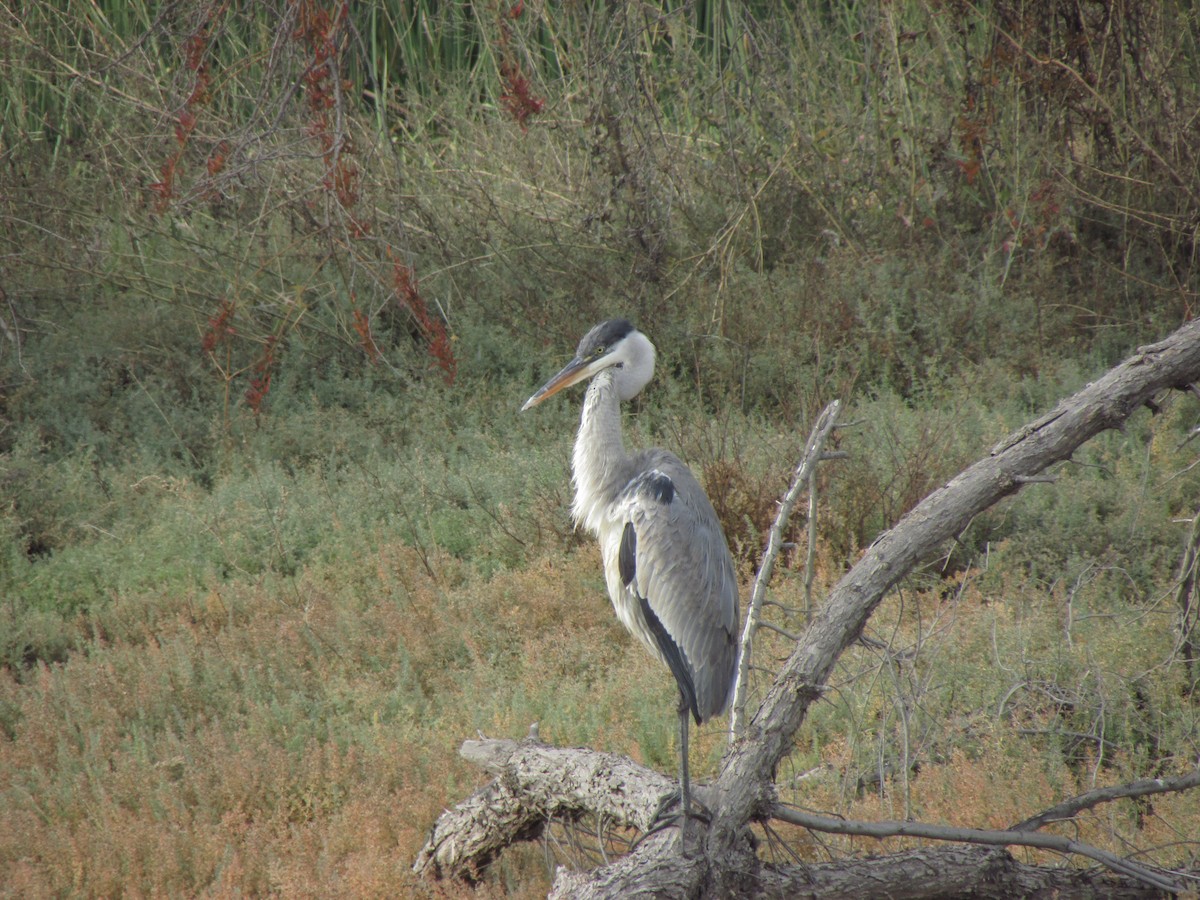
{"points": [[614, 344]]}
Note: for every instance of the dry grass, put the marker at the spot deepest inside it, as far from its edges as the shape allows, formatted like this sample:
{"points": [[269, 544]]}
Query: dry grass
{"points": [[248, 744], [998, 717]]}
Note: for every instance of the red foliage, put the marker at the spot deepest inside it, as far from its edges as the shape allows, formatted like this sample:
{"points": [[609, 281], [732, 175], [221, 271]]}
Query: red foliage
{"points": [[219, 327], [164, 191], [317, 29], [216, 159], [362, 325], [195, 56], [260, 379], [972, 135], [432, 328], [256, 393], [518, 97], [185, 126]]}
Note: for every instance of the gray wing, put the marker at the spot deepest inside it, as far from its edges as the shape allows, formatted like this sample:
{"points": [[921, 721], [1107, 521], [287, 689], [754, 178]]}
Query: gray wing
{"points": [[674, 566]]}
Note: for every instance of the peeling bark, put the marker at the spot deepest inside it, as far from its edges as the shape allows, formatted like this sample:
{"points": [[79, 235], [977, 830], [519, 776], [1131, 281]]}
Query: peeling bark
{"points": [[535, 783], [945, 872]]}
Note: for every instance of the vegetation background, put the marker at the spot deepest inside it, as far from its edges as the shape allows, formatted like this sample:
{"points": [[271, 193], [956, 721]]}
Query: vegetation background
{"points": [[276, 277]]}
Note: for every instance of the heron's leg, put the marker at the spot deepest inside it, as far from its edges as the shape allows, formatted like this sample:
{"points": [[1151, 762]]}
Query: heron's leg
{"points": [[662, 819], [684, 783]]}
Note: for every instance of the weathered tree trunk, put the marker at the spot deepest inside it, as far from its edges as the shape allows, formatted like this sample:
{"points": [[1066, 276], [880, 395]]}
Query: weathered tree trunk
{"points": [[924, 874], [726, 864]]}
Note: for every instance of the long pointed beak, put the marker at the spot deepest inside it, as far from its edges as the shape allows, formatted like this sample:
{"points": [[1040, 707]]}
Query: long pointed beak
{"points": [[574, 371]]}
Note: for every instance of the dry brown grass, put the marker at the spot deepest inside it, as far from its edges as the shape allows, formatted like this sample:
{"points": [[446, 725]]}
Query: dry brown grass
{"points": [[972, 714], [300, 739]]}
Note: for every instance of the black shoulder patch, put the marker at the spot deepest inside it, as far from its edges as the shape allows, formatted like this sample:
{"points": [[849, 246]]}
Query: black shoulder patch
{"points": [[627, 555], [656, 485]]}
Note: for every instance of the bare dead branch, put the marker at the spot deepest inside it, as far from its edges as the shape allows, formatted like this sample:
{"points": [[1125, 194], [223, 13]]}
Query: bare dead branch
{"points": [[1075, 805], [885, 829], [749, 767], [812, 454], [771, 626]]}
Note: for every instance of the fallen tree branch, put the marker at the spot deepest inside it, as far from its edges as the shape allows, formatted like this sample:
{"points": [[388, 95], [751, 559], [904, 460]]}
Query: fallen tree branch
{"points": [[923, 873], [951, 873], [884, 829], [535, 783]]}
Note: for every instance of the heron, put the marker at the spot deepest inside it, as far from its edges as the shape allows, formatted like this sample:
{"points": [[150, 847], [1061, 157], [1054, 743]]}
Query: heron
{"points": [[667, 564]]}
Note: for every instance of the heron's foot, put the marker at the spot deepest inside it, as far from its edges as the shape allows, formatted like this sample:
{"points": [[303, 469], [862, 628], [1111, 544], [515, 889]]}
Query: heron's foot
{"points": [[669, 814], [670, 811]]}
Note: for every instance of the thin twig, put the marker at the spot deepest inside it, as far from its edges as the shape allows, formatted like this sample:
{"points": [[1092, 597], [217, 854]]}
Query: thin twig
{"points": [[812, 454], [763, 623], [1185, 599], [810, 558], [790, 610]]}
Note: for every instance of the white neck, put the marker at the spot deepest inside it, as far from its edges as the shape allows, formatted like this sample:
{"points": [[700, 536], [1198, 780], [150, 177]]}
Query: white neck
{"points": [[600, 466], [599, 460], [636, 365]]}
